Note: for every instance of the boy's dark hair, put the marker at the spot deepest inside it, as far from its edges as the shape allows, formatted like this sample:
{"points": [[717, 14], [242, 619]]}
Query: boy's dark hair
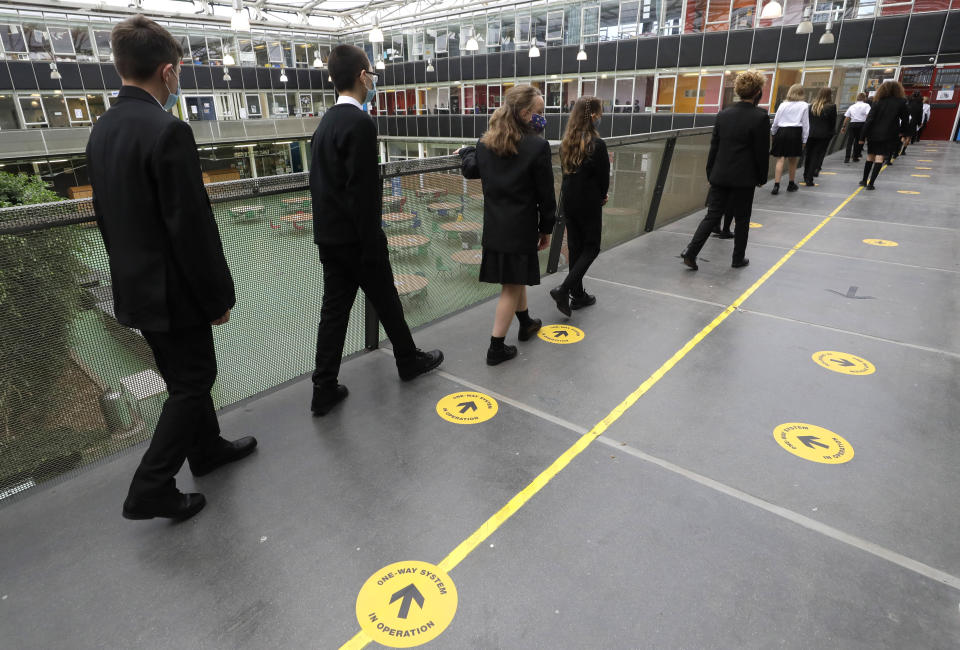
{"points": [[346, 62], [140, 46]]}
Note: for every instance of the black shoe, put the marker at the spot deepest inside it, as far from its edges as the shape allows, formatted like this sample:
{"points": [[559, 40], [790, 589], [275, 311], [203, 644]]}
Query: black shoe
{"points": [[715, 231], [808, 184], [863, 183], [226, 452], [527, 331], [871, 187], [562, 298], [856, 160], [742, 263], [501, 354], [792, 187], [690, 261], [776, 188], [846, 160], [725, 235], [324, 400], [177, 506], [422, 362], [583, 300]]}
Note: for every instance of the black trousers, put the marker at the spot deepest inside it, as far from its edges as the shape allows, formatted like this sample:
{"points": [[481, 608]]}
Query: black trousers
{"points": [[583, 244], [815, 153], [853, 140], [188, 426], [736, 201], [345, 271]]}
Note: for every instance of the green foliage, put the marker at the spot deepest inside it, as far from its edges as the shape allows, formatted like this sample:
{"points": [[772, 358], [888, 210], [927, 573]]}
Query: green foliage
{"points": [[39, 296]]}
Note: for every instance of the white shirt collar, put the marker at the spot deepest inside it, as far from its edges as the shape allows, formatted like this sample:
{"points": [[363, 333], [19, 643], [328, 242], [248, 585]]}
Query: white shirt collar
{"points": [[347, 99]]}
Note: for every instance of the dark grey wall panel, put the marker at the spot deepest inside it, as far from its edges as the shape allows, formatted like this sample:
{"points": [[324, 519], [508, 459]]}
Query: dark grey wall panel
{"points": [[303, 79], [714, 48], [389, 75], [621, 124], [419, 72], [647, 53], [204, 76], [661, 122], [6, 82], [569, 63], [456, 127], [766, 42], [508, 63], [793, 46], [22, 74], [641, 123], [249, 78], [466, 68], [923, 33], [443, 125], [817, 52], [739, 45], [668, 51], [553, 60], [607, 56], [951, 33], [480, 67], [111, 80], [42, 73], [538, 65], [705, 119], [853, 38], [70, 76], [683, 121], [91, 75], [408, 73], [626, 55], [456, 72], [493, 66], [263, 79], [188, 77], [442, 67], [522, 64], [217, 77], [691, 50], [888, 34], [606, 126], [591, 64], [552, 130]]}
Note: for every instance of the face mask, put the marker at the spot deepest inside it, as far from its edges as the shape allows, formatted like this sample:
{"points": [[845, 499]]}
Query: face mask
{"points": [[538, 122], [596, 123], [173, 98], [371, 94]]}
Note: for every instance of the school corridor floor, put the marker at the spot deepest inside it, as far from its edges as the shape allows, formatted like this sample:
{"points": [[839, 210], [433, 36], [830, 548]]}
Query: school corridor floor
{"points": [[765, 457]]}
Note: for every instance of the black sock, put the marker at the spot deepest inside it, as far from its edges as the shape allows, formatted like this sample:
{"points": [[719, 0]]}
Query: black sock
{"points": [[876, 172], [496, 342], [524, 317], [867, 166]]}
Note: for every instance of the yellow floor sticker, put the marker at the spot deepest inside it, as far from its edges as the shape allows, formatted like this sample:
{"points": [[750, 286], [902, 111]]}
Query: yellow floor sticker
{"points": [[918, 160], [924, 168], [907, 192], [754, 224], [844, 362], [810, 442], [406, 604], [920, 175], [880, 242], [467, 408], [562, 334], [828, 173]]}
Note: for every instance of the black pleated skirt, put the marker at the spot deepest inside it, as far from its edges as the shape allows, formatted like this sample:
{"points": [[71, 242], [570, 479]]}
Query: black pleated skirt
{"points": [[787, 141], [883, 148], [509, 268]]}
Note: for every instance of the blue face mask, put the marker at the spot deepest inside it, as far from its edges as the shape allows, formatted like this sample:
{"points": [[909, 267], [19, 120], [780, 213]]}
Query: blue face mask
{"points": [[596, 123], [538, 122], [173, 98], [371, 94]]}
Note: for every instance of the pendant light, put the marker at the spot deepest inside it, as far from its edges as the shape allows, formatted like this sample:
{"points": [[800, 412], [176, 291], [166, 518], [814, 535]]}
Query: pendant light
{"points": [[472, 45], [582, 54], [283, 76], [317, 61], [806, 25], [54, 73], [226, 75], [429, 65], [827, 38], [228, 60], [239, 22], [772, 9], [379, 65], [534, 51]]}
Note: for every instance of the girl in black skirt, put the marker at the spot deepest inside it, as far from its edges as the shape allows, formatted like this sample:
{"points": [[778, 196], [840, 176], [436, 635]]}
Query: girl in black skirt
{"points": [[519, 208], [886, 123], [791, 126], [586, 179]]}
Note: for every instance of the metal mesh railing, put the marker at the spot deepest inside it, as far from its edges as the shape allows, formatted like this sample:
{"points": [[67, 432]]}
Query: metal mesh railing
{"points": [[76, 386]]}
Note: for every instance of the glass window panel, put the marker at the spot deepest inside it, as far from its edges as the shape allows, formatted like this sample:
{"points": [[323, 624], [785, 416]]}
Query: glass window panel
{"points": [[8, 113], [32, 110], [440, 44], [82, 44], [38, 42], [253, 106], [78, 111], [628, 19], [523, 30], [102, 39], [554, 26], [540, 28], [507, 33], [198, 49], [279, 108], [56, 110], [214, 48], [590, 24], [61, 41], [718, 15], [275, 51], [742, 14], [97, 106], [261, 55], [671, 20], [609, 21], [493, 34], [12, 38], [288, 54], [623, 95], [247, 57]]}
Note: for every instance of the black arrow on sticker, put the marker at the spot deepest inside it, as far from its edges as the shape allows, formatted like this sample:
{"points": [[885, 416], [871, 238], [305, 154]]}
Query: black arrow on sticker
{"points": [[467, 406], [811, 441], [561, 333], [852, 293], [409, 594], [843, 362]]}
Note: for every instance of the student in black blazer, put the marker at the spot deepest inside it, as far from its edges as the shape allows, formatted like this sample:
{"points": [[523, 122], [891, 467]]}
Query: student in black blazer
{"points": [[347, 207], [519, 208], [170, 278], [738, 163], [823, 122], [886, 123], [586, 179]]}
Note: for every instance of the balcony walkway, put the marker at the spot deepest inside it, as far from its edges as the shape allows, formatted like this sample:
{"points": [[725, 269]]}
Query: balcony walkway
{"points": [[684, 525]]}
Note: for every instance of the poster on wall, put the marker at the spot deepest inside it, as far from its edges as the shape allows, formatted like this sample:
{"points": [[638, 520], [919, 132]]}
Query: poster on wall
{"points": [[945, 94]]}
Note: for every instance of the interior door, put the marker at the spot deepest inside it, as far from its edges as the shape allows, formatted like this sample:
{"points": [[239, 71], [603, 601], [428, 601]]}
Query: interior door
{"points": [[944, 101]]}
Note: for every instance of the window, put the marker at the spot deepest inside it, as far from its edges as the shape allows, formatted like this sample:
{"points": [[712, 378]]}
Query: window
{"points": [[82, 44], [56, 110], [440, 45], [214, 49], [32, 110], [253, 106], [275, 52], [394, 51], [198, 49], [418, 43], [38, 42], [62, 42], [623, 95], [553, 97], [247, 57], [494, 98], [493, 34], [96, 105], [8, 113], [279, 106], [78, 111], [260, 51], [628, 19], [609, 21], [590, 24], [102, 39], [554, 26], [523, 30], [12, 38]]}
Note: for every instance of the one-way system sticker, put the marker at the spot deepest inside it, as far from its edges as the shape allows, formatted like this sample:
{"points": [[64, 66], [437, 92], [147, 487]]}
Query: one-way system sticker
{"points": [[814, 443], [844, 362], [562, 334], [467, 408], [406, 604]]}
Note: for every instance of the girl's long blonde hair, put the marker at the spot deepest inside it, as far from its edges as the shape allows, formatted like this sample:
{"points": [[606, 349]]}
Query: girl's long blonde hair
{"points": [[577, 142], [824, 99], [507, 127]]}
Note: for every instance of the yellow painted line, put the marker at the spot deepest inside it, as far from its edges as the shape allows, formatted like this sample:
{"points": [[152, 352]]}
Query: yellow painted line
{"points": [[487, 528], [828, 173], [920, 175], [906, 192], [918, 160], [923, 167]]}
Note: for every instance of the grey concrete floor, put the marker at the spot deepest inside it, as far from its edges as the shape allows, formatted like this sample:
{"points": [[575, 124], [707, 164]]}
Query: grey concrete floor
{"points": [[684, 526]]}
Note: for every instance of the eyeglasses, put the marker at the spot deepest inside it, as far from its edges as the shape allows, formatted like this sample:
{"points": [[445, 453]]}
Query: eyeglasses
{"points": [[375, 78]]}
